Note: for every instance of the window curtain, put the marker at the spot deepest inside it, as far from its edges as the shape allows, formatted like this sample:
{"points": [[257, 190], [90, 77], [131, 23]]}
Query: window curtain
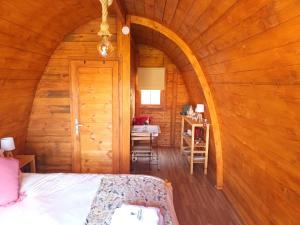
{"points": [[151, 78]]}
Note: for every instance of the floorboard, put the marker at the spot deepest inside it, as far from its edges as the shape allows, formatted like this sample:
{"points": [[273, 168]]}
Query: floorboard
{"points": [[196, 201]]}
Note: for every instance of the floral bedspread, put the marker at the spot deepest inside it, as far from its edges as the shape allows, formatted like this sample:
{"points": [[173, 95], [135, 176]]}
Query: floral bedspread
{"points": [[132, 189]]}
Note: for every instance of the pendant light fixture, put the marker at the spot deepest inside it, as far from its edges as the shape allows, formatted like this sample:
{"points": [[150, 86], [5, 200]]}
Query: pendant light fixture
{"points": [[105, 47]]}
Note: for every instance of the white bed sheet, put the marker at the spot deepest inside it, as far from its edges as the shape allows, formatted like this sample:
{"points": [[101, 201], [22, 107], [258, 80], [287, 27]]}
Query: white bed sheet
{"points": [[52, 199]]}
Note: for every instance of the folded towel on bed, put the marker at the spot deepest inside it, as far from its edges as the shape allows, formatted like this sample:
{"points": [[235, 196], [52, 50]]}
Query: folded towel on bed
{"points": [[136, 215]]}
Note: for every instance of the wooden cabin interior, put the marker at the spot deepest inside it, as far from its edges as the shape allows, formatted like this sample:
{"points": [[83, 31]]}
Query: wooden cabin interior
{"points": [[72, 109]]}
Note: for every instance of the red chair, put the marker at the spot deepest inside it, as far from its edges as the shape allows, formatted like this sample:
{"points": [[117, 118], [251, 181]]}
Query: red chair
{"points": [[141, 120]]}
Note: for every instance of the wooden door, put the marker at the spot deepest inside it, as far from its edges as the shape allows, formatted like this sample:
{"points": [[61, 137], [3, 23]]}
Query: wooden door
{"points": [[95, 116]]}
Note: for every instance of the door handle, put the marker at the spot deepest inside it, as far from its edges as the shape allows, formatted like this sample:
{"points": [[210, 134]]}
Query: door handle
{"points": [[77, 125]]}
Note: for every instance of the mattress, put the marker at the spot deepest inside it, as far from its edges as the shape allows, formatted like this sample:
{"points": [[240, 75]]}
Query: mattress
{"points": [[60, 199]]}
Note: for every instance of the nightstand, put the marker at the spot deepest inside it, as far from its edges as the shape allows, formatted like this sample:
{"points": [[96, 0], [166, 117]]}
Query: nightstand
{"points": [[26, 160]]}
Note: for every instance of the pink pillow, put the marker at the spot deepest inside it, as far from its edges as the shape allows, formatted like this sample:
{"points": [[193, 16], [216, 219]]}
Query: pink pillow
{"points": [[9, 181]]}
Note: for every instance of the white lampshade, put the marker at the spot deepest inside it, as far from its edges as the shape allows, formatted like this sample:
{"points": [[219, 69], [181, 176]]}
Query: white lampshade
{"points": [[199, 108], [8, 144]]}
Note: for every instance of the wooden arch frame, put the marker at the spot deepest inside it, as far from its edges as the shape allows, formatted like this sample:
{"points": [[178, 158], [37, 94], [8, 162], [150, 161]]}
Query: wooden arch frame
{"points": [[202, 79]]}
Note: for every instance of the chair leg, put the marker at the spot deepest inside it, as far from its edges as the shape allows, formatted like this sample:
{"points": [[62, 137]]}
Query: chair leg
{"points": [[150, 162], [157, 155], [155, 158], [134, 160], [132, 163], [158, 167], [150, 154]]}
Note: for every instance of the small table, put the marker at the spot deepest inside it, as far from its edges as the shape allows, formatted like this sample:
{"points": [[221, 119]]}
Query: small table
{"points": [[145, 133], [146, 129], [25, 160]]}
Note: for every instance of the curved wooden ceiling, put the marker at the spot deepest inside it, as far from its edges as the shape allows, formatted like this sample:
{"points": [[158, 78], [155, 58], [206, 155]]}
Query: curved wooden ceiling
{"points": [[29, 33], [249, 50], [144, 35]]}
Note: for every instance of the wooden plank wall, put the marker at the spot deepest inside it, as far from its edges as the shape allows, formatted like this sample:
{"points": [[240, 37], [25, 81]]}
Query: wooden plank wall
{"points": [[15, 103], [132, 80], [124, 53], [25, 47], [252, 63], [49, 134], [175, 96], [249, 51], [252, 66]]}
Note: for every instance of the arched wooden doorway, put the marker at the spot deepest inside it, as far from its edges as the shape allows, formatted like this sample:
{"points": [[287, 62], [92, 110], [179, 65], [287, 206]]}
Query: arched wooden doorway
{"points": [[202, 79]]}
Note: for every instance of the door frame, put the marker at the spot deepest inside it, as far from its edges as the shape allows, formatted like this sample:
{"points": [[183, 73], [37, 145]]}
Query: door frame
{"points": [[74, 106]]}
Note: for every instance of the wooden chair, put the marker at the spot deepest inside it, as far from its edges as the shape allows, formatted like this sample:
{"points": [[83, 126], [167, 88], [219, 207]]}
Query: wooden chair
{"points": [[198, 152], [142, 148]]}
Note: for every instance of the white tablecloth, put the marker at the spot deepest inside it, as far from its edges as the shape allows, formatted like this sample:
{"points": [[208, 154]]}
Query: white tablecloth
{"points": [[146, 129]]}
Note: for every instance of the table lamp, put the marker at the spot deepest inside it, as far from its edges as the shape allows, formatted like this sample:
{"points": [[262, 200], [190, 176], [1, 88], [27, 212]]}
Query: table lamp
{"points": [[8, 145], [199, 110]]}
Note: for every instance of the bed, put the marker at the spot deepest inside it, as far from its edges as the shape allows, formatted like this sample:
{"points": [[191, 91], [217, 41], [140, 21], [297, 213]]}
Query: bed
{"points": [[90, 199]]}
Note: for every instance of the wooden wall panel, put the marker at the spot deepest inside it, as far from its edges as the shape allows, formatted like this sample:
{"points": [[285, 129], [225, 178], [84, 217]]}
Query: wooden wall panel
{"points": [[175, 96], [49, 132], [25, 47], [249, 51], [253, 70], [132, 80], [124, 52], [15, 103]]}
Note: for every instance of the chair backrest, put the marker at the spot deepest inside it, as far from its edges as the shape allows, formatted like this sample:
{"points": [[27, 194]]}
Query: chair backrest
{"points": [[141, 120], [141, 136]]}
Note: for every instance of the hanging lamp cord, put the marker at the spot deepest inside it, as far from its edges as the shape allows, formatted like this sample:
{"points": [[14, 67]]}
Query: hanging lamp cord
{"points": [[104, 27]]}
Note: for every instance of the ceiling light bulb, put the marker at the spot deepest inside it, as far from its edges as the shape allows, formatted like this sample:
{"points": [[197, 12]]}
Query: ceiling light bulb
{"points": [[103, 51], [104, 47]]}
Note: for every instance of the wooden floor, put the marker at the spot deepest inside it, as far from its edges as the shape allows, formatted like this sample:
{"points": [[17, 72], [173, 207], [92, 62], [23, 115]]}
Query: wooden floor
{"points": [[196, 201]]}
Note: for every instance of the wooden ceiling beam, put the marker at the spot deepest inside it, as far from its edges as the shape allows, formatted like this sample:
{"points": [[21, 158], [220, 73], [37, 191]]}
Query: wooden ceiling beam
{"points": [[120, 11]]}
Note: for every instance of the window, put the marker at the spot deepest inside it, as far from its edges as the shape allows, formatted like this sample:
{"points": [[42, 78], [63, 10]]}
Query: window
{"points": [[150, 97]]}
